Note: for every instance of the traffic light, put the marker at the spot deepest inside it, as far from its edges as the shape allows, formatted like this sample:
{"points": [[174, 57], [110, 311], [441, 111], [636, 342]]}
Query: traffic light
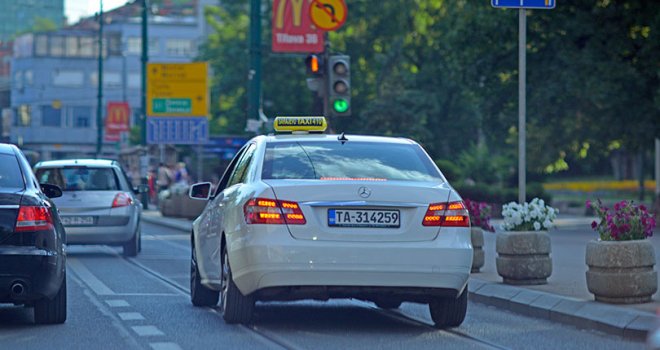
{"points": [[339, 86], [314, 65]]}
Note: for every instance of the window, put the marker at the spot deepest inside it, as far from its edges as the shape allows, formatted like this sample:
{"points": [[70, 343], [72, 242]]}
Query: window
{"points": [[51, 116], [28, 76], [87, 47], [72, 46], [134, 80], [79, 178], [111, 79], [56, 46], [41, 45], [179, 47], [240, 171], [10, 172], [81, 117], [72, 78], [18, 79], [333, 160], [24, 115], [134, 46]]}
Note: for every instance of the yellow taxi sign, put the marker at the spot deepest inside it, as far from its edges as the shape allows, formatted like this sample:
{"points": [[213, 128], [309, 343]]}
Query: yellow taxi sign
{"points": [[293, 124]]}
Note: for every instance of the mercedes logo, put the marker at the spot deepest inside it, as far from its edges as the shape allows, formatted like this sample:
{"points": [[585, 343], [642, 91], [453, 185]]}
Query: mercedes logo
{"points": [[364, 192]]}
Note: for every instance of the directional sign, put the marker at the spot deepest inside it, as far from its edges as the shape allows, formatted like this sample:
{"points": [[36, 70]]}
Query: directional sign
{"points": [[328, 14], [177, 89], [177, 130], [524, 4]]}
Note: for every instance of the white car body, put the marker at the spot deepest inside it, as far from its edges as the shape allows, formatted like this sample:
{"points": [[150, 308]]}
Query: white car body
{"points": [[314, 260]]}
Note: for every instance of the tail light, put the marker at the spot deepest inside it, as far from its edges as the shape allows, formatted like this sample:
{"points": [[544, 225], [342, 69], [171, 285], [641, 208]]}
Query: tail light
{"points": [[452, 214], [271, 211], [32, 218], [121, 200]]}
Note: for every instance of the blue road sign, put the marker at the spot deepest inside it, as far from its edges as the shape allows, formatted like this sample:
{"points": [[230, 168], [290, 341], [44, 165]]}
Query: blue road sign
{"points": [[177, 130], [523, 4]]}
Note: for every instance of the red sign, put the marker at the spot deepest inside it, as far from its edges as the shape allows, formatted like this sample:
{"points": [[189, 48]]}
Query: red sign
{"points": [[117, 120], [293, 30]]}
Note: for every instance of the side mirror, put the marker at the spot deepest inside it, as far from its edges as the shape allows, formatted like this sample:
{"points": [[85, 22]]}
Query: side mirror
{"points": [[141, 189], [51, 191], [201, 191]]}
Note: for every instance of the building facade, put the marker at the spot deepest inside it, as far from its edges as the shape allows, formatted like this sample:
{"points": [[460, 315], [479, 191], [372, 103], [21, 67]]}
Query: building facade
{"points": [[54, 76], [22, 15]]}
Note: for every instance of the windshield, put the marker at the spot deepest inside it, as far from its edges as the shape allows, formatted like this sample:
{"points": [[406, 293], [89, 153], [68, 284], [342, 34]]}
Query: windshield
{"points": [[349, 161], [79, 178]]}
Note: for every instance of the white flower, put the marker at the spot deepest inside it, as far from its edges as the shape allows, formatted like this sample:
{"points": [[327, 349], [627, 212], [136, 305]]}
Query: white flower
{"points": [[537, 226], [547, 224]]}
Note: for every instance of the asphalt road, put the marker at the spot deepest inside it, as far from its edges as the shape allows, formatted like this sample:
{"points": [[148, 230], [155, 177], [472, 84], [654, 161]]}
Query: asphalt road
{"points": [[143, 303]]}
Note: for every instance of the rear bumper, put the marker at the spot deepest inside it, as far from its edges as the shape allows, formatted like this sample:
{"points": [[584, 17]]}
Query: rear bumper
{"points": [[112, 235], [39, 271], [407, 270]]}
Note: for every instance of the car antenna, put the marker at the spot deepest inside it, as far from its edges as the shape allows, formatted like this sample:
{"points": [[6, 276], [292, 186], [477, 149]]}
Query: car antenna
{"points": [[342, 138]]}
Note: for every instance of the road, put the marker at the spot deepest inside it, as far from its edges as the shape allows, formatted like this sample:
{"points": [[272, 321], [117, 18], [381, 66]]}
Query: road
{"points": [[143, 303]]}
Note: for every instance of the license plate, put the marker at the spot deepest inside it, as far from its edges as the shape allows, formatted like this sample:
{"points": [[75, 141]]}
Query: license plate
{"points": [[77, 220], [364, 218]]}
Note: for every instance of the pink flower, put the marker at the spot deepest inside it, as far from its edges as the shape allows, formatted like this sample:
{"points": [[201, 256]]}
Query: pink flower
{"points": [[594, 224], [588, 204]]}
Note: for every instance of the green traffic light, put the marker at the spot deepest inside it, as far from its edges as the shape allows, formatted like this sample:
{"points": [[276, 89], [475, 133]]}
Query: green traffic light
{"points": [[340, 105]]}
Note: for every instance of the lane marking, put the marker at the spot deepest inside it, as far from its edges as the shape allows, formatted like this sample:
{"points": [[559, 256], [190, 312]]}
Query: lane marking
{"points": [[146, 295], [147, 331], [117, 303], [166, 237], [95, 284], [165, 346], [130, 316]]}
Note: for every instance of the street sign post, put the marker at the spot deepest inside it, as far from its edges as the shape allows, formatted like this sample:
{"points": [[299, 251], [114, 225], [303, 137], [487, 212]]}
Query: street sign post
{"points": [[526, 4], [522, 5]]}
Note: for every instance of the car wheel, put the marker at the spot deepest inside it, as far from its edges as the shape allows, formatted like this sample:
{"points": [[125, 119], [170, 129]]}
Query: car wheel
{"points": [[449, 312], [132, 247], [51, 311], [388, 304], [236, 307], [199, 294]]}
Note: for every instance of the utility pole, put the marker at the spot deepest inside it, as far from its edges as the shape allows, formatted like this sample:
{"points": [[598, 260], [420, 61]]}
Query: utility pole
{"points": [[522, 101], [254, 74], [144, 160], [99, 101]]}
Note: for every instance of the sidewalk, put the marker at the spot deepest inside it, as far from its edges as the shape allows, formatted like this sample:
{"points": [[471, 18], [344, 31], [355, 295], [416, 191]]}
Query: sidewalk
{"points": [[564, 299]]}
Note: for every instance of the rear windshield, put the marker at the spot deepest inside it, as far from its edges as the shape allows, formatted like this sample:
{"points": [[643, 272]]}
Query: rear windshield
{"points": [[352, 160], [10, 172], [79, 178]]}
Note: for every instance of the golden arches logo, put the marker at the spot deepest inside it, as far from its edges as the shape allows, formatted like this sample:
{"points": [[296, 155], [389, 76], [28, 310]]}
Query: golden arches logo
{"points": [[296, 11]]}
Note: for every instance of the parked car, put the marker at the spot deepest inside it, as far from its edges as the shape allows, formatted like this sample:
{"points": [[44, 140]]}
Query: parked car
{"points": [[309, 216], [99, 205], [32, 238]]}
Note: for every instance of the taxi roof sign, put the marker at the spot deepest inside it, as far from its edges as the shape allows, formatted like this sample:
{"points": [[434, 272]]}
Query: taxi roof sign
{"points": [[306, 124]]}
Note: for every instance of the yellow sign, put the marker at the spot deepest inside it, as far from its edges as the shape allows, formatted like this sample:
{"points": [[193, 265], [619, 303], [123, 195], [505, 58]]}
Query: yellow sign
{"points": [[328, 15], [177, 89], [300, 124]]}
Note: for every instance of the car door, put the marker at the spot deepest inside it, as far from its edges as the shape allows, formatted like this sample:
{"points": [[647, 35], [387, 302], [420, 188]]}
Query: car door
{"points": [[209, 233]]}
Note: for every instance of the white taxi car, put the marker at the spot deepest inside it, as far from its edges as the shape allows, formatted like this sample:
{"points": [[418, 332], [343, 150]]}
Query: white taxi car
{"points": [[315, 216]]}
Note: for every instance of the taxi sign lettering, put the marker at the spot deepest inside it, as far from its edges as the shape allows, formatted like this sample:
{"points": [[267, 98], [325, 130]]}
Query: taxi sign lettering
{"points": [[300, 124]]}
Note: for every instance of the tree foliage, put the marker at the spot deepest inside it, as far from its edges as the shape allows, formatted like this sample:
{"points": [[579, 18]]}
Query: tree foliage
{"points": [[445, 73]]}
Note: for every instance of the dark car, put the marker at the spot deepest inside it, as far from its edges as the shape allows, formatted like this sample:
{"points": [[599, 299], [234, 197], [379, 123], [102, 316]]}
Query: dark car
{"points": [[32, 254]]}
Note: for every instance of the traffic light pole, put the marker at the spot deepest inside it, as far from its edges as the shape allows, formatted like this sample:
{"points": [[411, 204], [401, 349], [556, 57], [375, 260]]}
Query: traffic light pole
{"points": [[99, 96], [254, 73], [522, 77], [143, 115]]}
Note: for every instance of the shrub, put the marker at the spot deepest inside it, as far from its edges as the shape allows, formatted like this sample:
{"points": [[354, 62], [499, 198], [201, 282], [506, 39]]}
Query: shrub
{"points": [[627, 222], [532, 216]]}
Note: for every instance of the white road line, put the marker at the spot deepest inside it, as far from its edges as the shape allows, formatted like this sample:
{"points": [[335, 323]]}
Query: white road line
{"points": [[95, 284], [166, 237], [146, 295], [165, 346], [147, 331], [117, 303], [130, 316]]}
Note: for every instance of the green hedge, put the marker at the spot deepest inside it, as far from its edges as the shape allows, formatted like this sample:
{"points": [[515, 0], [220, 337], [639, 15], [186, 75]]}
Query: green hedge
{"points": [[499, 195]]}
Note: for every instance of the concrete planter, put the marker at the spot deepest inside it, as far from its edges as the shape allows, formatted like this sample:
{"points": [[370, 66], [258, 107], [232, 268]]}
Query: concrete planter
{"points": [[477, 237], [523, 258], [621, 272]]}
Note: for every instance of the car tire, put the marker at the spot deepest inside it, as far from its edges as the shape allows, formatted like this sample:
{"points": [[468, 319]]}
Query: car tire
{"points": [[449, 312], [199, 294], [388, 304], [51, 311], [236, 307], [132, 247]]}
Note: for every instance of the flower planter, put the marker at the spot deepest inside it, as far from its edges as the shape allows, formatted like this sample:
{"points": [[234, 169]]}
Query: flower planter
{"points": [[523, 257], [477, 238], [621, 272]]}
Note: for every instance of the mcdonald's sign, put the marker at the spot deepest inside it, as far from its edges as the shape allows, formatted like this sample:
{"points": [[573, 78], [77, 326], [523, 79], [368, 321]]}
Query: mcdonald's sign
{"points": [[117, 120], [292, 29]]}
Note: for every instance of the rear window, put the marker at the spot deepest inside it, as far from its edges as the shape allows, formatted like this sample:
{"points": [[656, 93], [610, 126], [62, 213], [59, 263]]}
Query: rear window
{"points": [[79, 178], [351, 160], [10, 172]]}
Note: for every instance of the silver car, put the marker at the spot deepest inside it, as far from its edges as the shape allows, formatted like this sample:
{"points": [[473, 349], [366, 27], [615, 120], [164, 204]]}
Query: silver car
{"points": [[98, 205]]}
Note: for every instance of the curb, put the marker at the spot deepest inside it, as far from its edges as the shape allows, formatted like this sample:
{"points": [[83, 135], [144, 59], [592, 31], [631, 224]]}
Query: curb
{"points": [[628, 324]]}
